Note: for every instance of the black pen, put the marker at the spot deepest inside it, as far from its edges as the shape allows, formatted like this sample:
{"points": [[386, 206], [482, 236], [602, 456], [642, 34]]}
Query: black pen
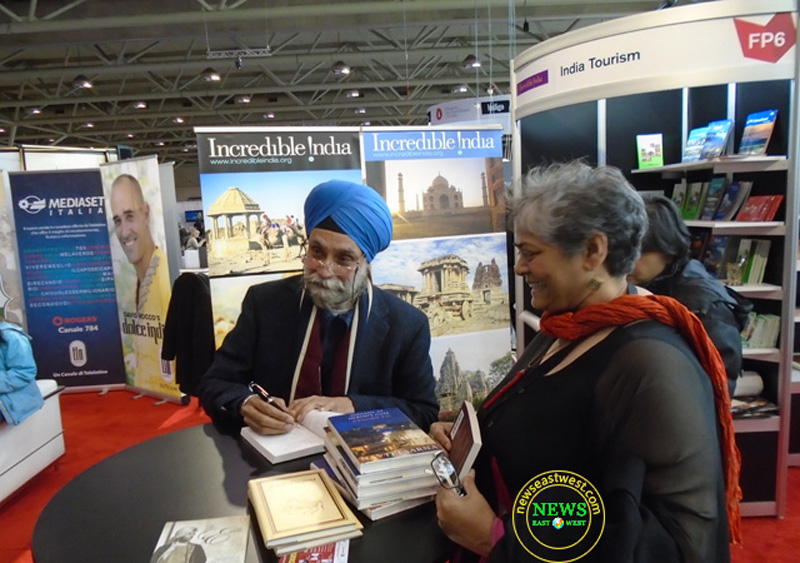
{"points": [[262, 393]]}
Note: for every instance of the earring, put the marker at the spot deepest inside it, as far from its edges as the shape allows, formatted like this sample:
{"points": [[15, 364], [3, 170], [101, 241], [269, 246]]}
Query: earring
{"points": [[594, 284]]}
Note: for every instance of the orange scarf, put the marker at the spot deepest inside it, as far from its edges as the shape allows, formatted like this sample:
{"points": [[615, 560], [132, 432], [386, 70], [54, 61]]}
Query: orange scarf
{"points": [[629, 308]]}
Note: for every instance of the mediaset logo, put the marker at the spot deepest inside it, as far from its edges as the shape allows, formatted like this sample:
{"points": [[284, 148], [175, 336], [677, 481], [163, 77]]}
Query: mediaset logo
{"points": [[558, 516], [33, 204]]}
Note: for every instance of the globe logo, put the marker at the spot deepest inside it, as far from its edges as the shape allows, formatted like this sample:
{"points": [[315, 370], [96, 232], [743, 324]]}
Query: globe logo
{"points": [[32, 204], [558, 522]]}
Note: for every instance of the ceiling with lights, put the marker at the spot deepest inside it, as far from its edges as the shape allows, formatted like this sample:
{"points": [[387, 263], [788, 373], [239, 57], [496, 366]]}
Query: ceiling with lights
{"points": [[144, 73]]}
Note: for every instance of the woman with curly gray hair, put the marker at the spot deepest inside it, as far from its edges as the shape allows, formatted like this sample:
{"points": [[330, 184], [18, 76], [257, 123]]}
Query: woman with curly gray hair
{"points": [[621, 388]]}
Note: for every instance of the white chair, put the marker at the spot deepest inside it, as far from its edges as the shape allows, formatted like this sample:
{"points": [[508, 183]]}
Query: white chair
{"points": [[32, 445]]}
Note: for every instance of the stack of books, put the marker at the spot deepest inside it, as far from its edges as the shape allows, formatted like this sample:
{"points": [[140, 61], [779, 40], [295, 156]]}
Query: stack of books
{"points": [[300, 510], [380, 460]]}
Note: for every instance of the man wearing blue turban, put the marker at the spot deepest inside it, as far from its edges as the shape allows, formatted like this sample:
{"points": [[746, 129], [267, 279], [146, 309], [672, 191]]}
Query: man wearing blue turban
{"points": [[326, 340]]}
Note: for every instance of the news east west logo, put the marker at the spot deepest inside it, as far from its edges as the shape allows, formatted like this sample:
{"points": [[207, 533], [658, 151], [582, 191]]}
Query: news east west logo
{"points": [[558, 516], [57, 206]]}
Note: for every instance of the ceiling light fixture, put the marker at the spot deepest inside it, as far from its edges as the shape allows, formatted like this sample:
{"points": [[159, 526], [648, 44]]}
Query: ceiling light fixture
{"points": [[35, 111], [340, 68], [354, 94], [211, 75], [238, 62], [140, 105], [160, 144], [459, 89], [89, 125], [269, 115], [177, 120], [243, 99], [82, 82], [471, 61], [361, 111]]}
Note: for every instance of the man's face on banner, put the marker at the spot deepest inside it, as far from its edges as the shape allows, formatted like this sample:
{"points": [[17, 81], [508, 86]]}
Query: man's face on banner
{"points": [[131, 216]]}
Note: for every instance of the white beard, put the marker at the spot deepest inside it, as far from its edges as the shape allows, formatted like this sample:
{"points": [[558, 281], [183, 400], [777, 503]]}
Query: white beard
{"points": [[332, 293]]}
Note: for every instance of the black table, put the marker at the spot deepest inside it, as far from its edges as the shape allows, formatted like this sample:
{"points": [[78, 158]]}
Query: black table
{"points": [[114, 511]]}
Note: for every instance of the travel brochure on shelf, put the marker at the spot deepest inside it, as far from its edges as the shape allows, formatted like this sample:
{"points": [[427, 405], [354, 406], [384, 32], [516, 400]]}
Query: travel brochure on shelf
{"points": [[757, 132], [694, 144], [712, 141], [716, 139], [213, 540], [650, 150], [696, 193], [760, 208], [299, 510], [735, 194], [716, 189], [736, 260]]}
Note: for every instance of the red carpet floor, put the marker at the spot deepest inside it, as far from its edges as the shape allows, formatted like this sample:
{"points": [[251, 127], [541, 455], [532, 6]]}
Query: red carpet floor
{"points": [[96, 426]]}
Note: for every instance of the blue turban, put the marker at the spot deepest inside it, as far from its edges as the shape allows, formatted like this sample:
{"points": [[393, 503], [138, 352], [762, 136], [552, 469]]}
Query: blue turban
{"points": [[357, 209]]}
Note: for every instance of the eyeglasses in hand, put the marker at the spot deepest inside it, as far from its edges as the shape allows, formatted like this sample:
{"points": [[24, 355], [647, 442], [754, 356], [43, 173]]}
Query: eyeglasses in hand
{"points": [[446, 473]]}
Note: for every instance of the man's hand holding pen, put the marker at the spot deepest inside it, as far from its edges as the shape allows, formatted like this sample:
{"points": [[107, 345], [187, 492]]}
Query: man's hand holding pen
{"points": [[266, 414]]}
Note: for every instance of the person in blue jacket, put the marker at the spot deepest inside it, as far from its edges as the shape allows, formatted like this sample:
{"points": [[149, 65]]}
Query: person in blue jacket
{"points": [[19, 395]]}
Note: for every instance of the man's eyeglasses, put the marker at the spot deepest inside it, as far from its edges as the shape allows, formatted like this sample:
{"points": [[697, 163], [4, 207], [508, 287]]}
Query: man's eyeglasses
{"points": [[339, 266], [446, 473]]}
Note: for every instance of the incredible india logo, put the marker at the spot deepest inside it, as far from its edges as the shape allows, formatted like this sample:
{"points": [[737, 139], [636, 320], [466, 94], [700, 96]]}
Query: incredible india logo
{"points": [[558, 516]]}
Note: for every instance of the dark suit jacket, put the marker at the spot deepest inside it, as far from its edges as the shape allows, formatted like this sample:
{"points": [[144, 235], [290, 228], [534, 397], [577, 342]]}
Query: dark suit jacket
{"points": [[391, 362]]}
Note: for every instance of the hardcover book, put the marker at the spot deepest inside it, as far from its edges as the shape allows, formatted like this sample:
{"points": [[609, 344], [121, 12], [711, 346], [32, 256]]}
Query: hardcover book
{"points": [[757, 132], [716, 189], [465, 437], [300, 510], [382, 439], [650, 150], [716, 139], [371, 482], [760, 208], [694, 144], [303, 440]]}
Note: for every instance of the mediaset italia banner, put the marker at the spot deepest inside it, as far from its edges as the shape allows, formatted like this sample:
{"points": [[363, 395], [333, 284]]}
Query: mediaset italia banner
{"points": [[135, 227], [254, 182], [67, 277]]}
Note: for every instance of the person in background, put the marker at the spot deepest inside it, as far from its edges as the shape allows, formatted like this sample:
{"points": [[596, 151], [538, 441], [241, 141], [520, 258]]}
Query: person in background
{"points": [[619, 386], [19, 395], [194, 242], [666, 268], [327, 339]]}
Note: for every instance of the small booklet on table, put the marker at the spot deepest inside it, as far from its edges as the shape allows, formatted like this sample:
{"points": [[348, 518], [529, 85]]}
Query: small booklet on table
{"points": [[221, 539]]}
